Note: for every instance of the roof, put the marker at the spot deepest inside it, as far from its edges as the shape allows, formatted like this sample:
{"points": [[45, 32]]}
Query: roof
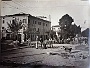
{"points": [[24, 14], [56, 26], [40, 18], [19, 14]]}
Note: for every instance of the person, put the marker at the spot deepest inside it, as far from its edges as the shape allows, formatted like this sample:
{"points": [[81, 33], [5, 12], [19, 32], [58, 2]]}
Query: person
{"points": [[29, 42], [51, 42], [45, 43], [41, 40], [36, 42]]}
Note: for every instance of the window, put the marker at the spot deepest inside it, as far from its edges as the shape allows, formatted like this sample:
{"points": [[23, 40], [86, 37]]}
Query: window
{"points": [[29, 20], [3, 21], [39, 23], [35, 22], [38, 29], [46, 24], [3, 18], [2, 27], [10, 21], [24, 20]]}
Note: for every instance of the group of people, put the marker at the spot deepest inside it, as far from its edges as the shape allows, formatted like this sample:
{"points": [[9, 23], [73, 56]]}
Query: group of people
{"points": [[43, 43]]}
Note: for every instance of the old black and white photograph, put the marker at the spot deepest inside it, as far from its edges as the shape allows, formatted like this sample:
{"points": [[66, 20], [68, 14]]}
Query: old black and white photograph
{"points": [[44, 33]]}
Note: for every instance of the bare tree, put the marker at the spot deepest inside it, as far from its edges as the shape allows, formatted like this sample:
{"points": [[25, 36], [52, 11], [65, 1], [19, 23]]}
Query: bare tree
{"points": [[15, 26]]}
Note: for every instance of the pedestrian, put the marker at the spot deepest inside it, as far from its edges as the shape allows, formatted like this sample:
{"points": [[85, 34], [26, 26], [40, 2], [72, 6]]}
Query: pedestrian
{"points": [[36, 42], [45, 43], [51, 42], [41, 41], [29, 42]]}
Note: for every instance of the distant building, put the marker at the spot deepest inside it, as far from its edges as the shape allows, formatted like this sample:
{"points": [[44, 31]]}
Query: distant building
{"points": [[32, 26], [57, 29]]}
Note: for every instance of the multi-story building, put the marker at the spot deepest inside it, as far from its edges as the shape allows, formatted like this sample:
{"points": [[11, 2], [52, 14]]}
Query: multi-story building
{"points": [[32, 26], [38, 27]]}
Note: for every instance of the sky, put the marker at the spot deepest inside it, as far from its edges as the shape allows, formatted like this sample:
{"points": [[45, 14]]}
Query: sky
{"points": [[52, 9]]}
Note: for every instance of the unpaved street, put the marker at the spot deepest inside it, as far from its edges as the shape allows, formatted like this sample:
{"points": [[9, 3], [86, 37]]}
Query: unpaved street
{"points": [[55, 56]]}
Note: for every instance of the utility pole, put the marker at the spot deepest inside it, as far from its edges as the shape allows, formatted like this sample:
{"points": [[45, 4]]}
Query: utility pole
{"points": [[43, 32], [50, 18], [0, 30], [89, 30], [50, 25]]}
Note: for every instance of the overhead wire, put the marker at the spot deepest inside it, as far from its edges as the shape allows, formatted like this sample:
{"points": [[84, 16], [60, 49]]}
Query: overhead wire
{"points": [[27, 7], [39, 7], [23, 6], [14, 7]]}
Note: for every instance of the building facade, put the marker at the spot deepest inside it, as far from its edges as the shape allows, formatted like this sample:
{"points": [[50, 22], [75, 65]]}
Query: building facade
{"points": [[38, 27], [57, 29], [32, 26]]}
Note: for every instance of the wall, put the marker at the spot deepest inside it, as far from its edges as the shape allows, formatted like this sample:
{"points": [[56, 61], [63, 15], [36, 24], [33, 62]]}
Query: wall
{"points": [[38, 26]]}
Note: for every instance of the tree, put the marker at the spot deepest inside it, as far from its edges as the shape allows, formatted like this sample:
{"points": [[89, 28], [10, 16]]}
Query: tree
{"points": [[65, 22], [15, 26], [68, 30], [73, 30], [52, 34], [79, 29]]}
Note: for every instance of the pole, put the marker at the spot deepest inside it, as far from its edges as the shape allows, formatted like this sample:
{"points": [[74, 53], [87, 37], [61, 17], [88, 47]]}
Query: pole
{"points": [[0, 30], [43, 32], [50, 18], [89, 32]]}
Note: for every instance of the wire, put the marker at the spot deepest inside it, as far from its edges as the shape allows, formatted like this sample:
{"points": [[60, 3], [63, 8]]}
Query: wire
{"points": [[13, 6], [48, 6], [46, 1], [27, 7], [20, 9]]}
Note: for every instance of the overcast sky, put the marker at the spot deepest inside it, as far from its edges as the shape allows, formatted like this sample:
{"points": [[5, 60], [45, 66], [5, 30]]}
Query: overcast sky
{"points": [[77, 9]]}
